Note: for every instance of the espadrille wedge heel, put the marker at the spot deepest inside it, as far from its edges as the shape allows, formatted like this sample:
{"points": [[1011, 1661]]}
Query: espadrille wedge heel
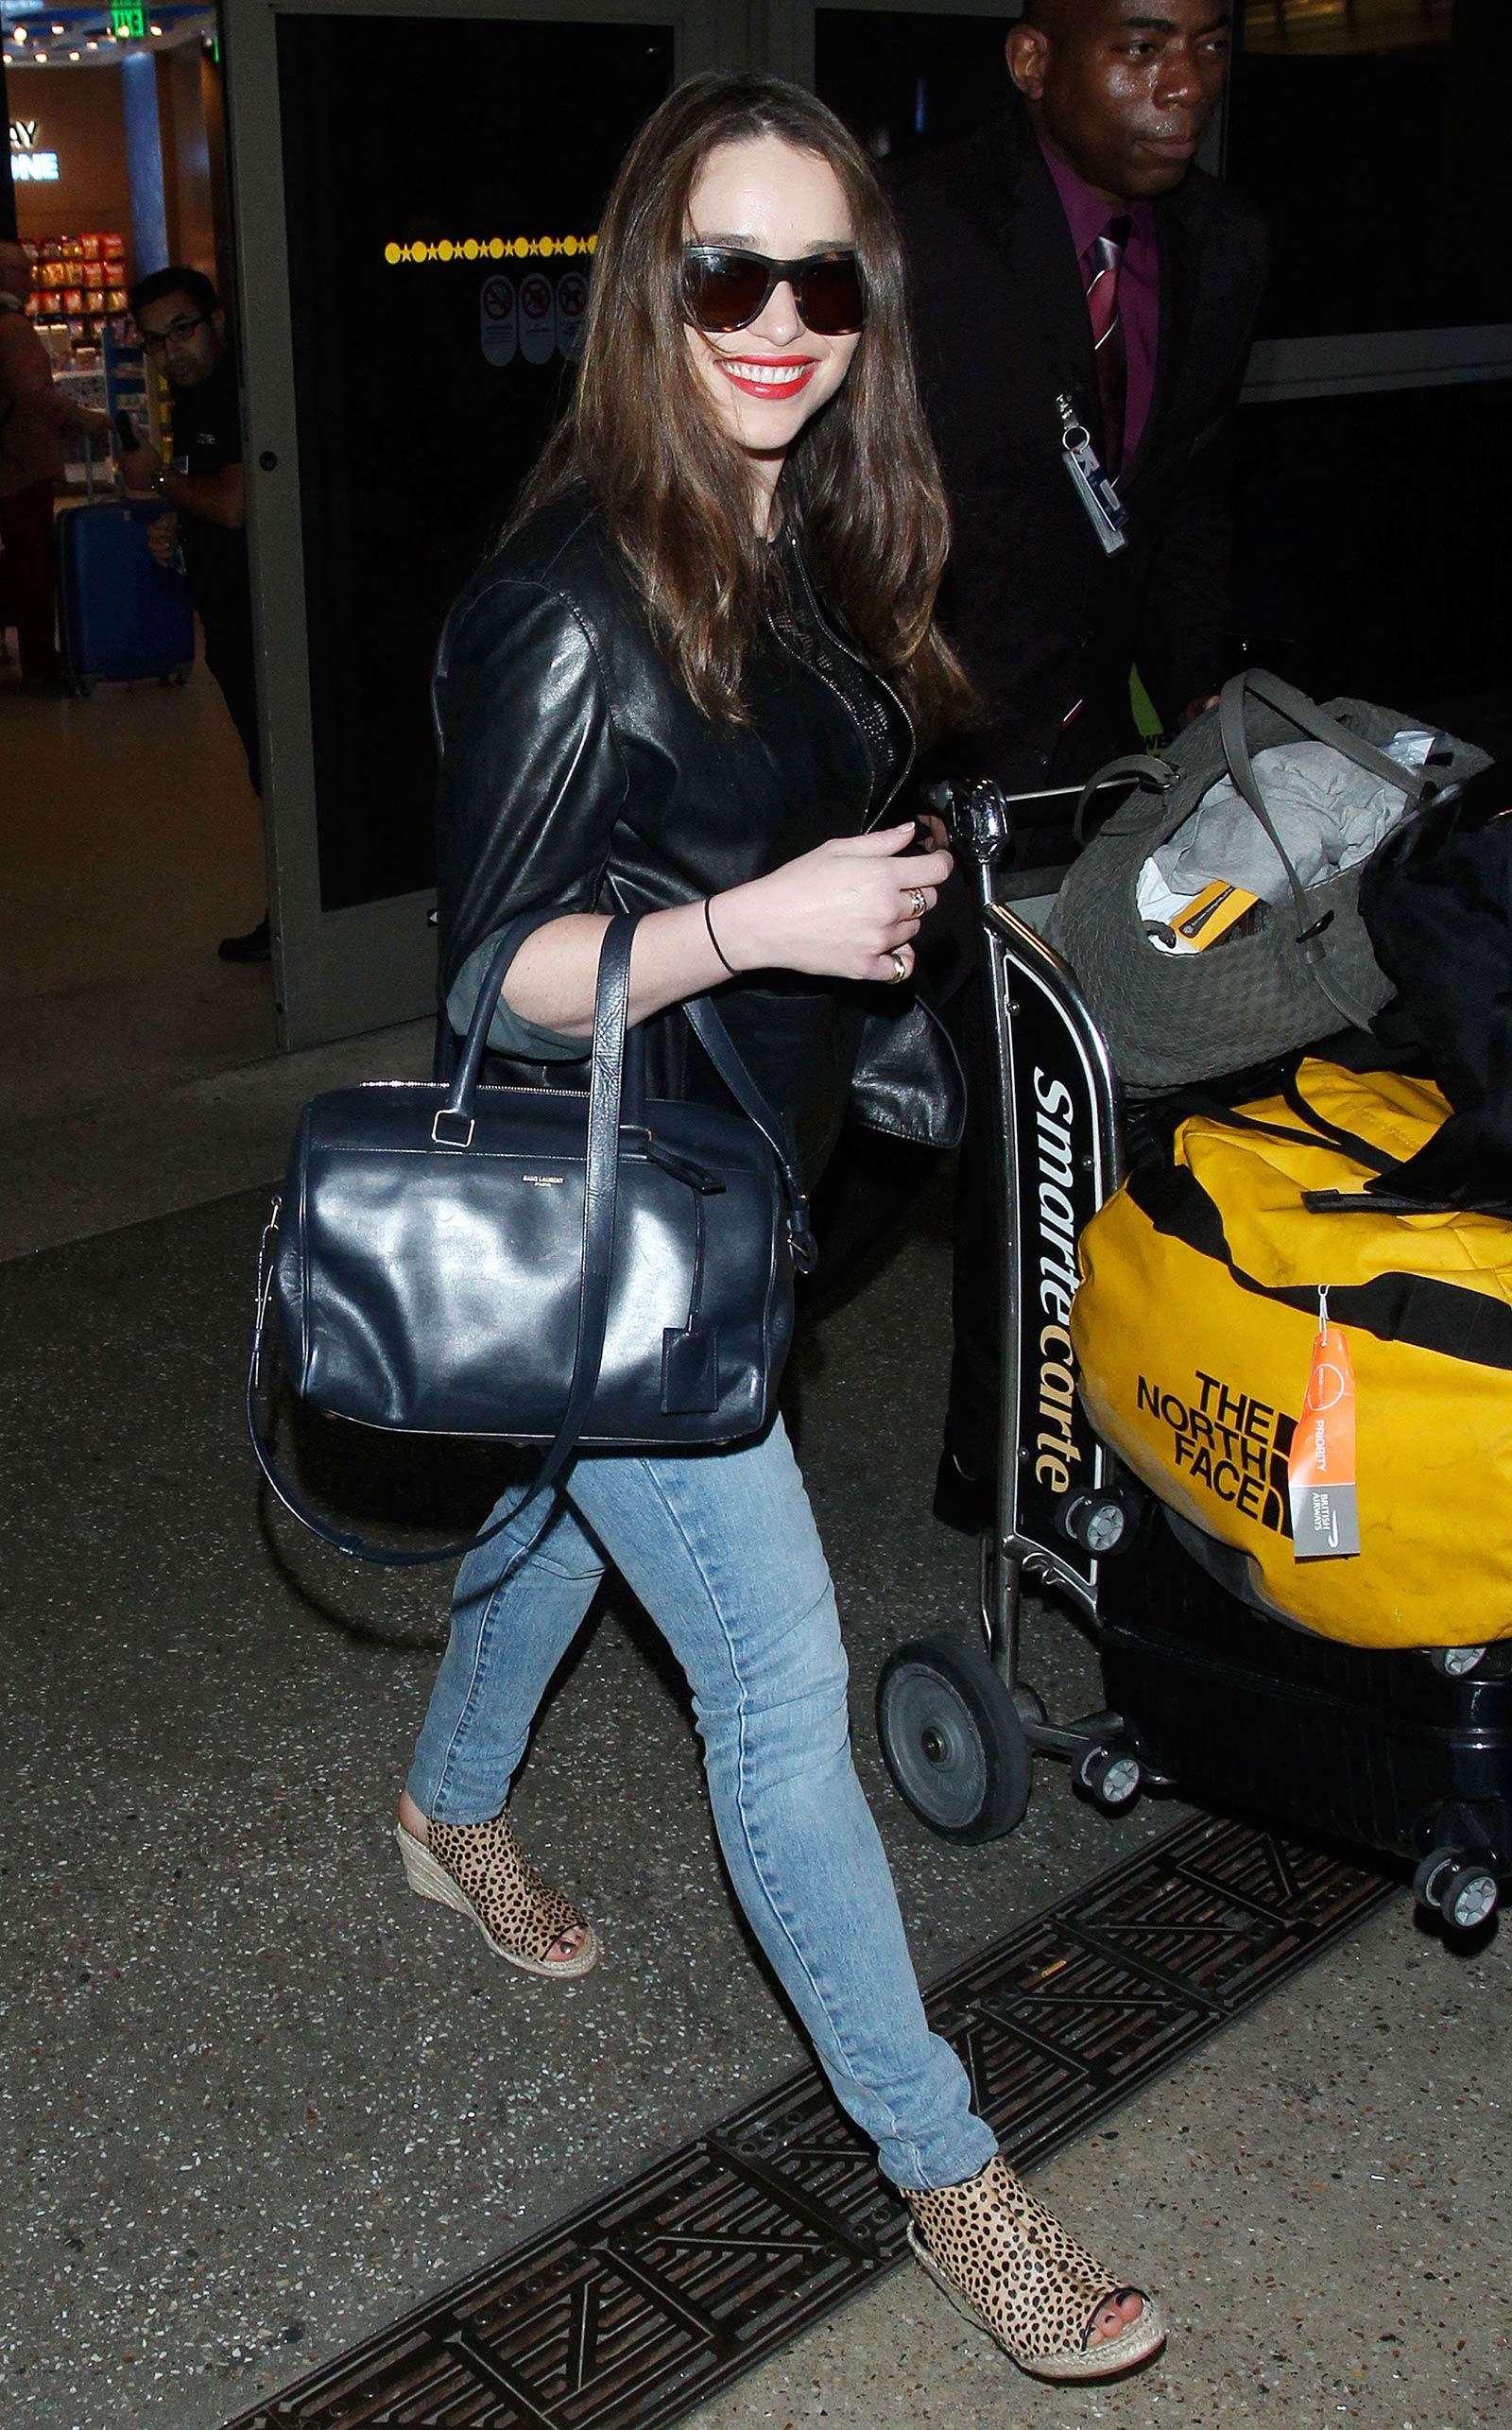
{"points": [[1007, 2263], [477, 1869]]}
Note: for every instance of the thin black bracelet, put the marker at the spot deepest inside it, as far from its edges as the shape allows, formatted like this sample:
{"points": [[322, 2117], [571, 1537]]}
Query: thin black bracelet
{"points": [[708, 921]]}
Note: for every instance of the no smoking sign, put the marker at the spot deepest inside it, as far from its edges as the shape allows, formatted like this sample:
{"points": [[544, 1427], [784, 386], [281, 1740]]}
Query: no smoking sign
{"points": [[498, 320]]}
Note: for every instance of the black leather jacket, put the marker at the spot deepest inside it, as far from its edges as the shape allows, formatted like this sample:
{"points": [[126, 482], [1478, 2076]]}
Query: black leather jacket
{"points": [[576, 770]]}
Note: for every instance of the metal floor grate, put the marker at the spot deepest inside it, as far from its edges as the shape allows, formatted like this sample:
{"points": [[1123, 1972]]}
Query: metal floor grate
{"points": [[648, 2300]]}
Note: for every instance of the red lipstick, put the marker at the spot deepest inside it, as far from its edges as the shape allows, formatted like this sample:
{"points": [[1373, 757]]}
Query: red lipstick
{"points": [[786, 375]]}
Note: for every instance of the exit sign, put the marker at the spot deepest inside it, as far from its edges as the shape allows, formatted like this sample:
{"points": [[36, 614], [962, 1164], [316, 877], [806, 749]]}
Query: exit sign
{"points": [[129, 24]]}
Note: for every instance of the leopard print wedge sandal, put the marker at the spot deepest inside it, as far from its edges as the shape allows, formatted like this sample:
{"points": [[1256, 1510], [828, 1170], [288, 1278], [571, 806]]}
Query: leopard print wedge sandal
{"points": [[1007, 2263], [478, 1869]]}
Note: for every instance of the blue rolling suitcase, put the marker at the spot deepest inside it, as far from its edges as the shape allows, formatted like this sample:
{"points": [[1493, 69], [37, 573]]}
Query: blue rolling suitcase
{"points": [[120, 615]]}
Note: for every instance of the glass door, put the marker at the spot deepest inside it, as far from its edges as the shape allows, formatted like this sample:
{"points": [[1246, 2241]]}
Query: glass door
{"points": [[1370, 134], [416, 197]]}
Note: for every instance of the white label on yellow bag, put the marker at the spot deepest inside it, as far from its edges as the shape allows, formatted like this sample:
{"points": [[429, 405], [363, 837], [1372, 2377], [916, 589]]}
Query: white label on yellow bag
{"points": [[1320, 1467]]}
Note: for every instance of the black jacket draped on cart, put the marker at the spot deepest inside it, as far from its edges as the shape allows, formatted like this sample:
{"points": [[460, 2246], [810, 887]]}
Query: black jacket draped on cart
{"points": [[1043, 618], [576, 770]]}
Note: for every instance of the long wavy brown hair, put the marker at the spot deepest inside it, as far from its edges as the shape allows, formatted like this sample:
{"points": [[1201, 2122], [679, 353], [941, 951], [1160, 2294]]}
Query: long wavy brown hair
{"points": [[861, 484]]}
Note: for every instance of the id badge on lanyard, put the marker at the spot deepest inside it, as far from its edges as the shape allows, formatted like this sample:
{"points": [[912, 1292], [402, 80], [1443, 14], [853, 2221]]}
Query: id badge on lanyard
{"points": [[1106, 510]]}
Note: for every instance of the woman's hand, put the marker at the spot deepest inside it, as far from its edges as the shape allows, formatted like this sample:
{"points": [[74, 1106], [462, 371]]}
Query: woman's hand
{"points": [[848, 910]]}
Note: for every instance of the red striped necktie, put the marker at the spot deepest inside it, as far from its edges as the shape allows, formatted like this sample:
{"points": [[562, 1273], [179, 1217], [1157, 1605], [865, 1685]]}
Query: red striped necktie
{"points": [[1103, 261]]}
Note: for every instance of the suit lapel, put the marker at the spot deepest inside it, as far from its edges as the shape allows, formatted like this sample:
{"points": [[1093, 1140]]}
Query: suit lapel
{"points": [[1023, 212], [1180, 265]]}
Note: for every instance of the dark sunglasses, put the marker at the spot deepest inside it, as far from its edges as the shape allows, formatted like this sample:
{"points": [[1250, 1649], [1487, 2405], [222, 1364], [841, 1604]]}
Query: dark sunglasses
{"points": [[725, 288]]}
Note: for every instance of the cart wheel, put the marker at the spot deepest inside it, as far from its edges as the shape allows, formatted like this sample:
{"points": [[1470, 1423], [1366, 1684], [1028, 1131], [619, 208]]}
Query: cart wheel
{"points": [[1100, 1523], [1463, 1896], [1111, 1777], [953, 1740], [83, 686]]}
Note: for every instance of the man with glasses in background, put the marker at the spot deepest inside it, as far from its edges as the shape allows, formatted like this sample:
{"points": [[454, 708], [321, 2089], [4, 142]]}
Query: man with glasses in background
{"points": [[203, 488]]}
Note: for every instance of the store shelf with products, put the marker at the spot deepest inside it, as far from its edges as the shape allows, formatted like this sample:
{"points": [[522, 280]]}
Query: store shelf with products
{"points": [[78, 305], [78, 284]]}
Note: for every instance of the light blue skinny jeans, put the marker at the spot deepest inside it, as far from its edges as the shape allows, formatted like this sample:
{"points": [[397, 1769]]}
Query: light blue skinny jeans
{"points": [[722, 1550]]}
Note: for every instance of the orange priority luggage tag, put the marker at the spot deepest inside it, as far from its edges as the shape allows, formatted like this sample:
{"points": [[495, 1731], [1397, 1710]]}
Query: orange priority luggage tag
{"points": [[1320, 1465]]}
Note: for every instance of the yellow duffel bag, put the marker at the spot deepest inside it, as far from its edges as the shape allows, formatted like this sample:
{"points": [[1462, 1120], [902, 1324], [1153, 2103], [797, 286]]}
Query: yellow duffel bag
{"points": [[1194, 1328]]}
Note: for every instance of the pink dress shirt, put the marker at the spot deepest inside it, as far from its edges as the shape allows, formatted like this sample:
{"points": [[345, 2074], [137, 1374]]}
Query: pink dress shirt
{"points": [[1139, 283]]}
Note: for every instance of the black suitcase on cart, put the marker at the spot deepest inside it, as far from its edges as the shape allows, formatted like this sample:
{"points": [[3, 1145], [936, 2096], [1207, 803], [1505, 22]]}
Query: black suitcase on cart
{"points": [[1406, 1753]]}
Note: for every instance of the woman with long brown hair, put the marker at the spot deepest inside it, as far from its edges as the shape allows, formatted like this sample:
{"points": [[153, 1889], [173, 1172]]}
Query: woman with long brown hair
{"points": [[685, 686]]}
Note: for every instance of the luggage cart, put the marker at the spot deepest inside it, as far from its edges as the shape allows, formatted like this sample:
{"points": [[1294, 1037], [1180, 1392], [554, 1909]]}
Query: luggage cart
{"points": [[1406, 1753]]}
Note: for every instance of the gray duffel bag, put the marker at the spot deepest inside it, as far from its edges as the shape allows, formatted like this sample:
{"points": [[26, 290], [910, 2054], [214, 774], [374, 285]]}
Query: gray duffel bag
{"points": [[1294, 970]]}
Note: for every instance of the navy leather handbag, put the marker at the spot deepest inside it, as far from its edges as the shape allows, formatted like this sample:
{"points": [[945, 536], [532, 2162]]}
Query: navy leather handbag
{"points": [[535, 1266]]}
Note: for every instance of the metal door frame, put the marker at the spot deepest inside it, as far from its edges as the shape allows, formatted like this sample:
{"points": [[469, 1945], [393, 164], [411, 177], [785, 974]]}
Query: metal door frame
{"points": [[339, 973]]}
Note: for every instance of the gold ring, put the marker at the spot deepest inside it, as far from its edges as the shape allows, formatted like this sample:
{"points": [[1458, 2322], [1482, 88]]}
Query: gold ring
{"points": [[917, 900], [899, 970]]}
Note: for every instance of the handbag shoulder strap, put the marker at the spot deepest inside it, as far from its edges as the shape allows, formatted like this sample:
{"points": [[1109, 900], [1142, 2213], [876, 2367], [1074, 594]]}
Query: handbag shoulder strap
{"points": [[722, 1051], [1306, 714]]}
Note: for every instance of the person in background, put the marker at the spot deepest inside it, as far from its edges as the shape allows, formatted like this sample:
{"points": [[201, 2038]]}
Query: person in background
{"points": [[1070, 265], [203, 489], [35, 419]]}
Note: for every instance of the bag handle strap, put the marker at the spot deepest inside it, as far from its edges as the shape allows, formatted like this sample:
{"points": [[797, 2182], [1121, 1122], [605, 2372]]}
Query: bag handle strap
{"points": [[1311, 719], [722, 1051], [707, 1027], [1141, 768], [1306, 714], [600, 1194]]}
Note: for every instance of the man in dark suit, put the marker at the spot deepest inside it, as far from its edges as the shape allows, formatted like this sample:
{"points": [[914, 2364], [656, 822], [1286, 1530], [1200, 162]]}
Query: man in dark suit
{"points": [[1072, 271]]}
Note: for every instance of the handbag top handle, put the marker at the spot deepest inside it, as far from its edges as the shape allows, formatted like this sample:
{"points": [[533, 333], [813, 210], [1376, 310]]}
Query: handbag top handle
{"points": [[453, 1123]]}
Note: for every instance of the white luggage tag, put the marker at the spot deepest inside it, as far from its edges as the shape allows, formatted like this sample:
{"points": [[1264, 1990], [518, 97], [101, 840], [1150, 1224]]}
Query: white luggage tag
{"points": [[1106, 510]]}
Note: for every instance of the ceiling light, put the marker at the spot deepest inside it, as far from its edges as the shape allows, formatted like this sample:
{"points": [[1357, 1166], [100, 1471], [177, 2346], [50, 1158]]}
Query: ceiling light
{"points": [[73, 54]]}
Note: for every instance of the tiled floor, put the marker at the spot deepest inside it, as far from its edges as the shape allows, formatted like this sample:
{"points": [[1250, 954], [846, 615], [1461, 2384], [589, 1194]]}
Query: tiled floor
{"points": [[138, 1071]]}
